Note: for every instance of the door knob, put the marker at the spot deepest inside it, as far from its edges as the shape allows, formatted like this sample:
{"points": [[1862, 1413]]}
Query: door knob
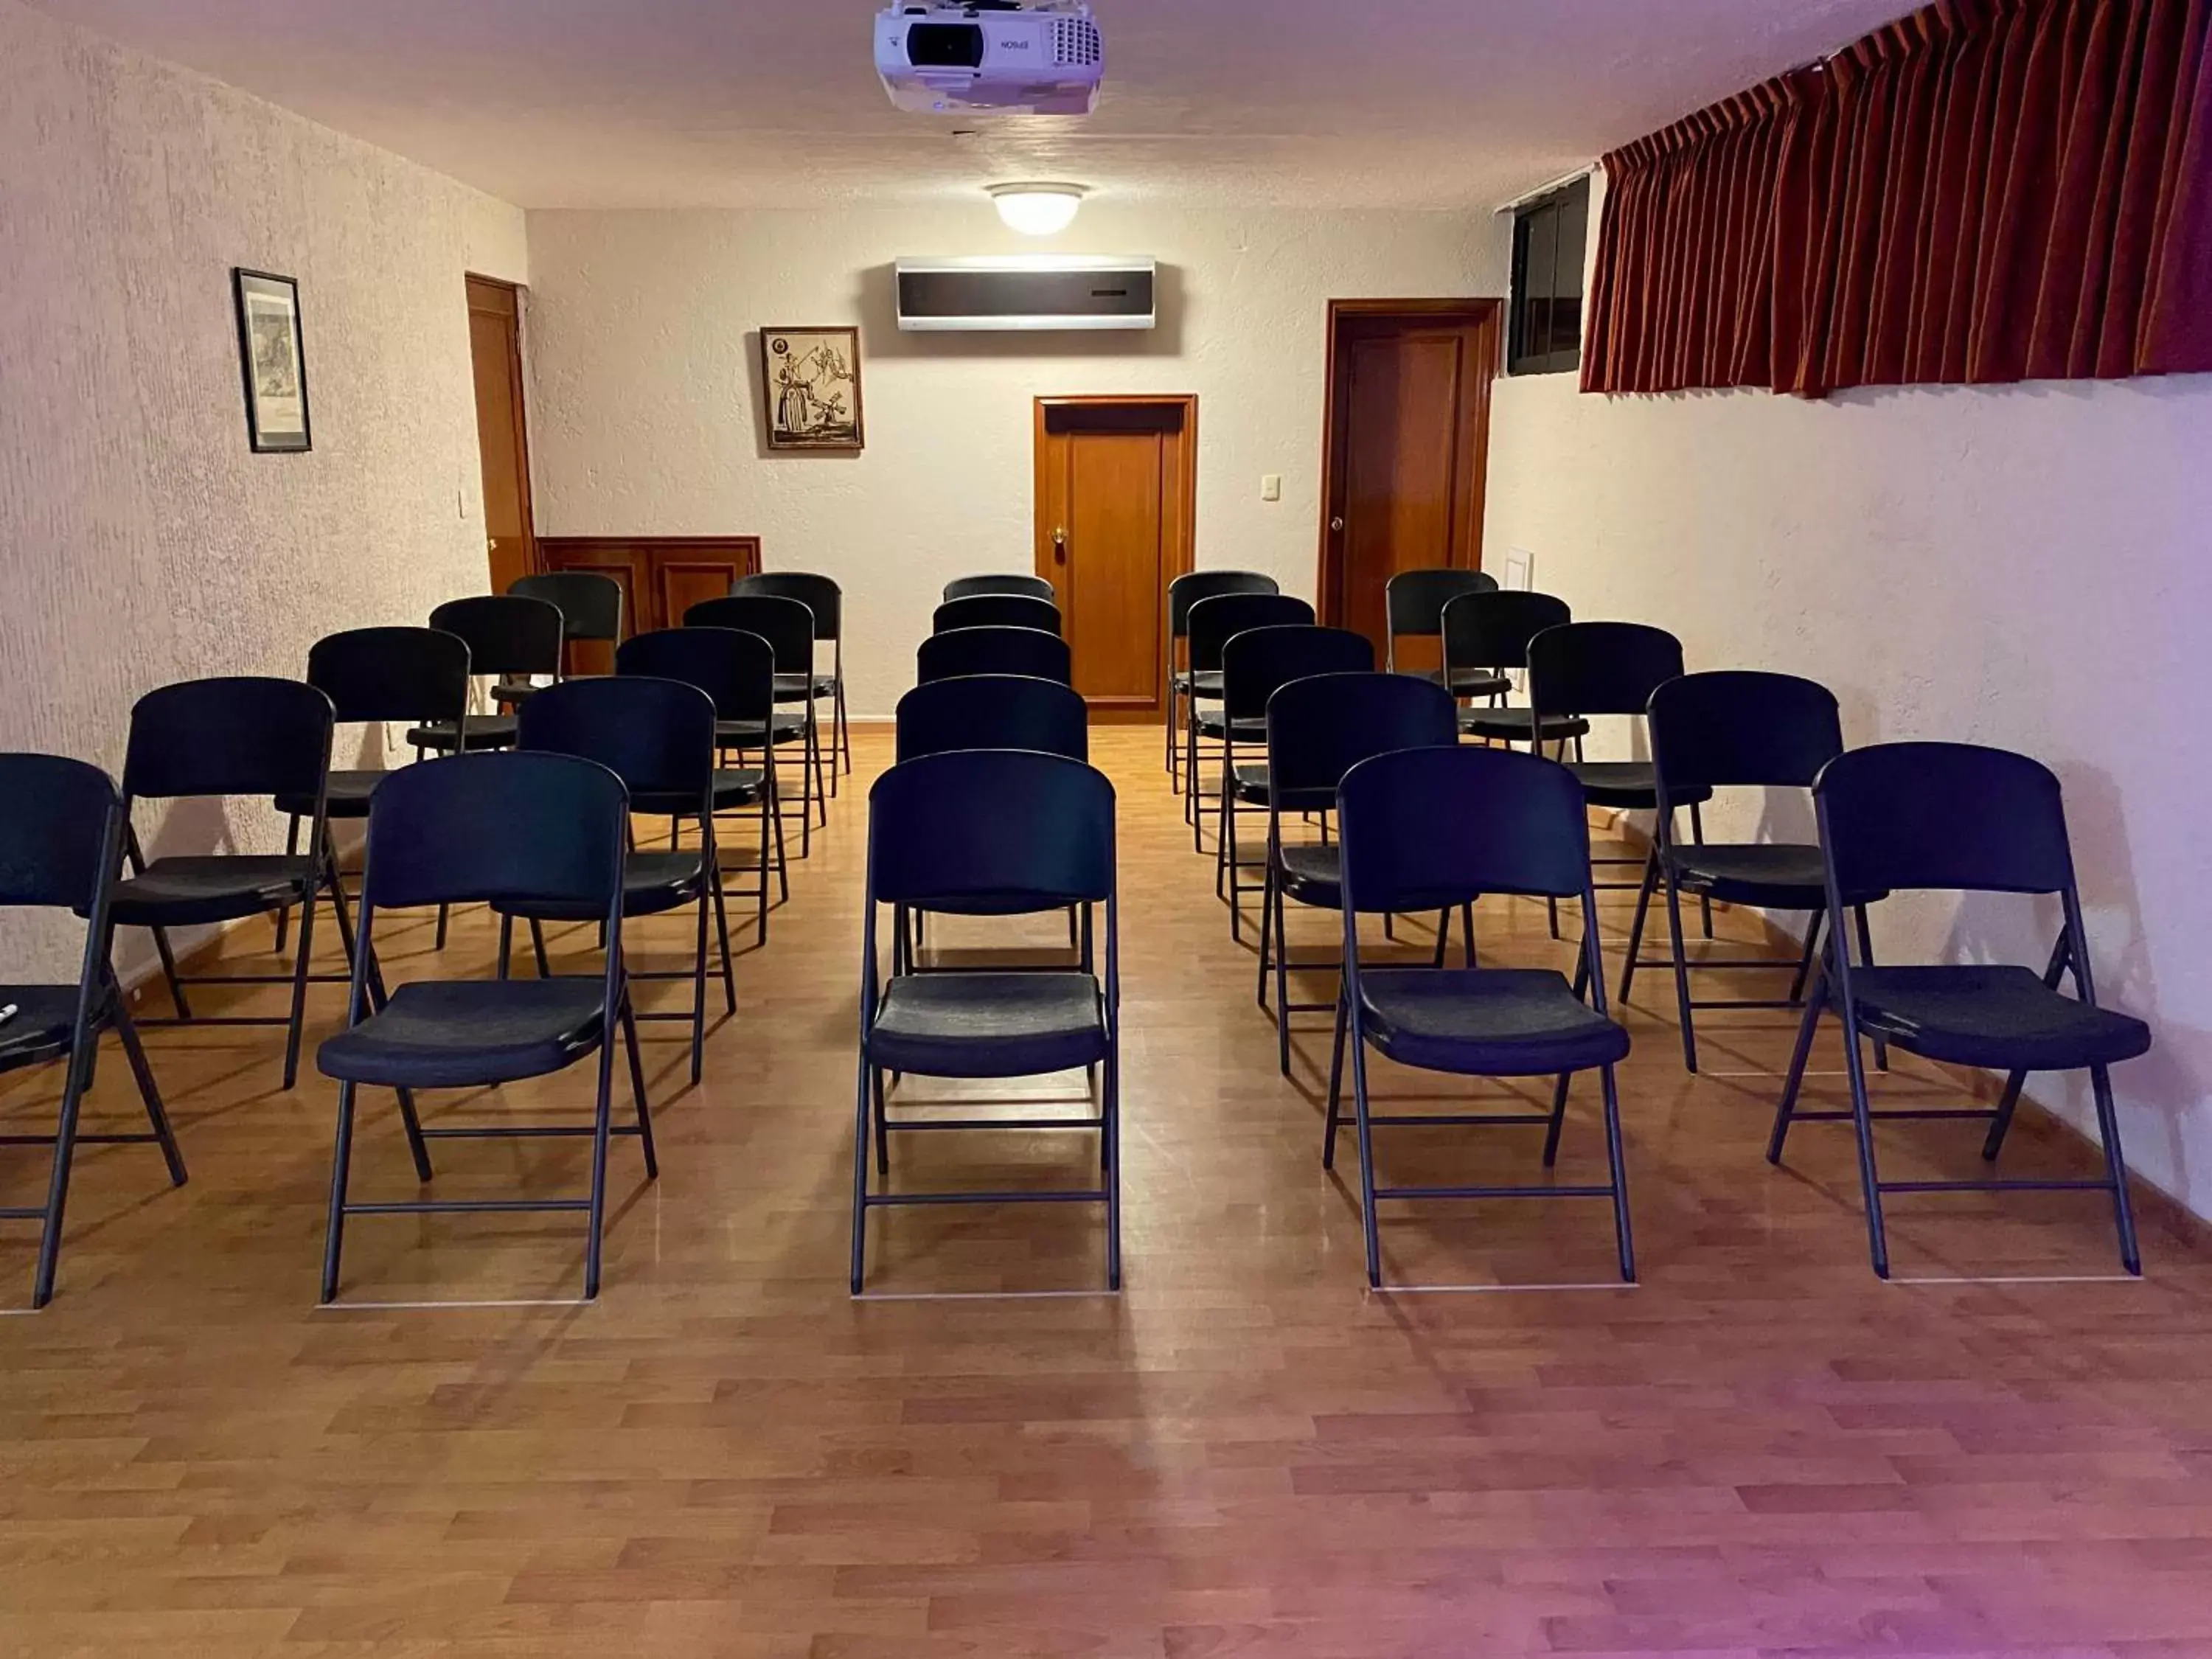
{"points": [[1336, 526], [1059, 545]]}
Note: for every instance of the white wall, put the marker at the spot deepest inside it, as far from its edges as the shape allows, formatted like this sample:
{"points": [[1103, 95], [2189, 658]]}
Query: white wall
{"points": [[2029, 566], [647, 416], [140, 541]]}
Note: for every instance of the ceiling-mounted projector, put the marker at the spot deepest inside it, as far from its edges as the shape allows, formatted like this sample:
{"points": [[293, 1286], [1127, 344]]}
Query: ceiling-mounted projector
{"points": [[997, 56]]}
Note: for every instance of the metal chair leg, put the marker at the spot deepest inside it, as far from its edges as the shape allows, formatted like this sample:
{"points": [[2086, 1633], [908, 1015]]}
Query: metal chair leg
{"points": [[341, 1164], [863, 1122], [1622, 1237], [883, 1128], [627, 1014], [300, 983], [1366, 1134], [602, 1127], [1335, 1082], [291, 850], [49, 1235], [2116, 1169], [176, 984], [141, 1073], [1787, 1106], [1681, 977], [1110, 1158], [1651, 875]]}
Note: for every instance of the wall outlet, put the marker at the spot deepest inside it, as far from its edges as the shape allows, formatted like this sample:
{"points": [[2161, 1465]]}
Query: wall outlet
{"points": [[1271, 486]]}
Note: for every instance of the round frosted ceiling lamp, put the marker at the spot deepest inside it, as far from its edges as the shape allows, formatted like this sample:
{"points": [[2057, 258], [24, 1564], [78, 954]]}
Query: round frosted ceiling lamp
{"points": [[1037, 209]]}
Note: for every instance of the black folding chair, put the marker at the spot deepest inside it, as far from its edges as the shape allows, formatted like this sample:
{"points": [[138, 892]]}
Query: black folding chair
{"points": [[511, 638], [1434, 829], [738, 672], [996, 611], [1958, 817], [239, 737], [1254, 665], [504, 829], [1004, 828], [1737, 730], [658, 736], [1184, 592], [1319, 729], [826, 600], [372, 676], [1413, 604], [967, 587], [789, 626], [61, 843], [1028, 652], [1488, 633], [1211, 624], [591, 606], [1580, 669]]}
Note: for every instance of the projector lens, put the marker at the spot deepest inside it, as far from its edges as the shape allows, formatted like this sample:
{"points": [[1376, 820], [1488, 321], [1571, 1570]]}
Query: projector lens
{"points": [[945, 46]]}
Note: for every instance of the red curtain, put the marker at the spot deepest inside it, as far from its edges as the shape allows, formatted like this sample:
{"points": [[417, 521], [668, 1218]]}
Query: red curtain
{"points": [[1986, 191]]}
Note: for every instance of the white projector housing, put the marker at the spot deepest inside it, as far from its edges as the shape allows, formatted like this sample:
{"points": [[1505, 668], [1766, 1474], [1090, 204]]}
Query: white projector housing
{"points": [[942, 57]]}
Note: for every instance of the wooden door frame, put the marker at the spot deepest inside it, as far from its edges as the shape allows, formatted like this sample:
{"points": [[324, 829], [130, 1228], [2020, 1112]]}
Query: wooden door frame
{"points": [[519, 390], [1181, 556], [1328, 588]]}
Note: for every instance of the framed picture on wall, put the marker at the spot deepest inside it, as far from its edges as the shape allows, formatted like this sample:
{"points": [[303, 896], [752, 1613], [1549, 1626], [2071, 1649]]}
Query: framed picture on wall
{"points": [[811, 380], [274, 361]]}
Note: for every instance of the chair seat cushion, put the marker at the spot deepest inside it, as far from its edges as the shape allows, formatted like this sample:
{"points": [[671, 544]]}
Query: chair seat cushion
{"points": [[176, 893], [747, 734], [2003, 1017], [39, 1028], [1628, 784], [1485, 1022], [652, 883], [485, 731], [1781, 876], [964, 1024], [803, 687], [457, 1034], [1471, 682], [349, 795], [512, 692], [1512, 725], [733, 788], [1213, 726], [1207, 683], [1250, 783], [1312, 874]]}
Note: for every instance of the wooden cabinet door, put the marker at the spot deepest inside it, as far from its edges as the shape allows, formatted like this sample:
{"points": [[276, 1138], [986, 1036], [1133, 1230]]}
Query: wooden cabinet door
{"points": [[662, 576]]}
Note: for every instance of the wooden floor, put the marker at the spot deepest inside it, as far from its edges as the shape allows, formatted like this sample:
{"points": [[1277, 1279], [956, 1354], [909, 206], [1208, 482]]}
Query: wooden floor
{"points": [[1760, 1450]]}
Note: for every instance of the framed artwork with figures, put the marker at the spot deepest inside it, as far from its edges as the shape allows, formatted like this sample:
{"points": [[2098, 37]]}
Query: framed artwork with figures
{"points": [[811, 380], [270, 350]]}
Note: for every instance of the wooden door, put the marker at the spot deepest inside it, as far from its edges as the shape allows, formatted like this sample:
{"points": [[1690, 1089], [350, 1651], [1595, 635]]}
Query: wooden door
{"points": [[1117, 506], [1407, 447], [502, 435]]}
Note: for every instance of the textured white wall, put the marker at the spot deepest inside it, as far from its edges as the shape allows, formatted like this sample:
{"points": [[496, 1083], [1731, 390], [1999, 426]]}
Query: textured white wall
{"points": [[2024, 567], [647, 406], [140, 541]]}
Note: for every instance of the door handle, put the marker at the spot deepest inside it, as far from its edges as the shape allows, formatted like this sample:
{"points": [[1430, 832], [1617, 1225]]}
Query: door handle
{"points": [[1336, 526], [1060, 546]]}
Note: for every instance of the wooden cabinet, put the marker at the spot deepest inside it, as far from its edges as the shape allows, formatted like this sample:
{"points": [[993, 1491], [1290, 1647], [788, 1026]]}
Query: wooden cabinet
{"points": [[662, 576]]}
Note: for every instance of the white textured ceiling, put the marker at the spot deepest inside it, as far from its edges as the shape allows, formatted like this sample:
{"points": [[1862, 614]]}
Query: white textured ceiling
{"points": [[669, 103]]}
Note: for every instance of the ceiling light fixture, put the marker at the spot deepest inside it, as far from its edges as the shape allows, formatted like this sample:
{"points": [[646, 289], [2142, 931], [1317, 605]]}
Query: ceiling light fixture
{"points": [[1037, 209]]}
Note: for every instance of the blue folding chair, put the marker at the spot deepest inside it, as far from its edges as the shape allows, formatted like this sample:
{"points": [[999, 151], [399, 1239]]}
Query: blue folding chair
{"points": [[1413, 605], [1184, 592], [1959, 817], [967, 587], [61, 843], [1433, 829], [787, 625], [1030, 652], [507, 829], [826, 601], [996, 611], [1011, 831], [1318, 729], [1212, 623]]}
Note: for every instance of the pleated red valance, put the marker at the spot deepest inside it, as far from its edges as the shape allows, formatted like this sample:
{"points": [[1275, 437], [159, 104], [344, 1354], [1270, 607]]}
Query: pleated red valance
{"points": [[1986, 191]]}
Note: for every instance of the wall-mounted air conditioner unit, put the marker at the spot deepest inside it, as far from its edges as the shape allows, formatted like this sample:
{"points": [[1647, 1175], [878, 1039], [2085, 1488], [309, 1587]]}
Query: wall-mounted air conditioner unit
{"points": [[1032, 291]]}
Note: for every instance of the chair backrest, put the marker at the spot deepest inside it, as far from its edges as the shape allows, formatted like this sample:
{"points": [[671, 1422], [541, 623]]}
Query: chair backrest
{"points": [[1738, 728], [1601, 667], [1001, 828], [1413, 601], [590, 604], [994, 711], [58, 822], [241, 736], [737, 671], [1426, 829], [1029, 651], [496, 827], [1950, 816], [1187, 590], [1319, 728], [1214, 623], [374, 674], [657, 736], [996, 611], [967, 587], [819, 594], [786, 624], [1258, 661], [1492, 630], [506, 633]]}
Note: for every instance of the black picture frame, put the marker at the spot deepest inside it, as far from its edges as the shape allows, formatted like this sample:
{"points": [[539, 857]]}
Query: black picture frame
{"points": [[272, 356]]}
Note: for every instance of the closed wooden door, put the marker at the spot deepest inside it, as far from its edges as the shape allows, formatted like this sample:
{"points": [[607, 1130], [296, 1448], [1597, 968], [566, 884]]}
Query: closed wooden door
{"points": [[1115, 506], [1409, 431], [502, 436]]}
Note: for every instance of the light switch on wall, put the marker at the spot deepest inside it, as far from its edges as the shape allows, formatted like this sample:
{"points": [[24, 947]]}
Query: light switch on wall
{"points": [[1271, 486]]}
